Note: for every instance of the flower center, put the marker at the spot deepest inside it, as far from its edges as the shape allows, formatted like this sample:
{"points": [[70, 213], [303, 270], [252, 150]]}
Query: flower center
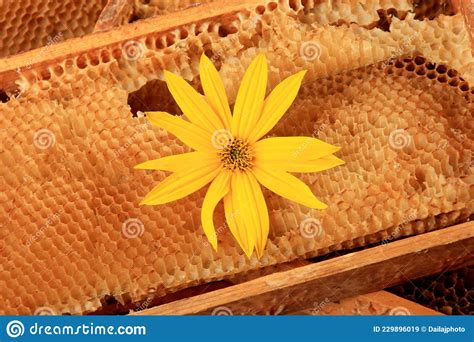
{"points": [[237, 155]]}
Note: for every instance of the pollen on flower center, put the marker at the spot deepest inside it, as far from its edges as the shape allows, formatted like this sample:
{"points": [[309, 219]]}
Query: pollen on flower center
{"points": [[237, 155]]}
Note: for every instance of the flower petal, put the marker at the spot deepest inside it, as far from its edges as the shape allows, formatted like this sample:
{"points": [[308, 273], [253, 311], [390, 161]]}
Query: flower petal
{"points": [[181, 184], [255, 209], [190, 134], [276, 104], [250, 97], [293, 149], [288, 186], [179, 162], [219, 187], [193, 104], [316, 165], [214, 90], [236, 211]]}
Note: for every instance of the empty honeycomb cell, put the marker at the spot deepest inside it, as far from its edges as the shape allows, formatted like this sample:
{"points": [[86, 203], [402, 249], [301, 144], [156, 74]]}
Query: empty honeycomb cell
{"points": [[35, 24], [449, 293]]}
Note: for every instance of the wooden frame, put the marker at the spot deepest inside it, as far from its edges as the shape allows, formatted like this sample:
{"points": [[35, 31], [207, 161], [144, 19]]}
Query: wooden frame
{"points": [[374, 303], [40, 59], [356, 273]]}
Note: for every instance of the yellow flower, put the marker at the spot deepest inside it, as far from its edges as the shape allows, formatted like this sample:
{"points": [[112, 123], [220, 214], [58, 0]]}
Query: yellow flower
{"points": [[230, 155]]}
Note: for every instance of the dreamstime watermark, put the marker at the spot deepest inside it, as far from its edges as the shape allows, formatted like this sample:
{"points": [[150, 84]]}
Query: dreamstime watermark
{"points": [[308, 141], [310, 51], [310, 228], [147, 302], [318, 306], [223, 227], [52, 219], [317, 129], [399, 311], [222, 311], [141, 129], [227, 45], [50, 41], [15, 329], [296, 152], [44, 139], [133, 50], [133, 228], [221, 138], [45, 311], [404, 47], [399, 138], [398, 229]]}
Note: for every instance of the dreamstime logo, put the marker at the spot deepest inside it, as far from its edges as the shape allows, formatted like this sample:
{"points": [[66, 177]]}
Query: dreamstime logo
{"points": [[399, 311], [133, 228], [310, 51], [310, 228], [222, 311], [133, 50], [399, 139], [15, 329], [44, 139], [221, 138], [44, 311]]}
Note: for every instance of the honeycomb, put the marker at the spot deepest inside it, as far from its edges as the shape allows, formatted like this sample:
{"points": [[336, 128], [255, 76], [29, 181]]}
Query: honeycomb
{"points": [[149, 8], [25, 25], [72, 136], [36, 23], [450, 293]]}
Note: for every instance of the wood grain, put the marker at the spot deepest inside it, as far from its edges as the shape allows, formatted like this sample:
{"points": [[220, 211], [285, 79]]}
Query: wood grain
{"points": [[356, 273], [466, 7], [40, 59], [374, 303]]}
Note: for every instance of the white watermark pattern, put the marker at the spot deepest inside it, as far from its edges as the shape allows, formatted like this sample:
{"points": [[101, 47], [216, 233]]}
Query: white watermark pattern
{"points": [[133, 50], [221, 138], [45, 311], [44, 139], [310, 228], [222, 311], [399, 311], [399, 139], [310, 51], [15, 329], [133, 228]]}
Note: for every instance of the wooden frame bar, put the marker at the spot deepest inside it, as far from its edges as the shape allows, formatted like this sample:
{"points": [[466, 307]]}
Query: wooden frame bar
{"points": [[349, 275], [374, 303], [40, 59]]}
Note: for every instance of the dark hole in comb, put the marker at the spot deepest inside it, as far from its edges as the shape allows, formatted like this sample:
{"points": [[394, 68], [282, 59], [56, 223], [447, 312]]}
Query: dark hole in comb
{"points": [[419, 60], [384, 21], [153, 96], [4, 98], [441, 69]]}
